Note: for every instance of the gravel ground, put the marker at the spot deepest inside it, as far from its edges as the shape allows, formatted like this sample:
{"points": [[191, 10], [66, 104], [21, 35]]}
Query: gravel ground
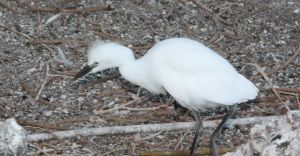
{"points": [[38, 90]]}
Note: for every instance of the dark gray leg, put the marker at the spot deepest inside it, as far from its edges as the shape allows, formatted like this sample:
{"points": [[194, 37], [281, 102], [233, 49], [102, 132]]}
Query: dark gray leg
{"points": [[199, 131], [218, 130]]}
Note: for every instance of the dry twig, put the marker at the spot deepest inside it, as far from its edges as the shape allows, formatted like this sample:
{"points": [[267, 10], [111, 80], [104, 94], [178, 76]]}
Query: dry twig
{"points": [[103, 33], [28, 37], [204, 151], [261, 71], [5, 5], [76, 11], [106, 35], [33, 93], [58, 41], [36, 124], [210, 13], [43, 84], [12, 30], [214, 38], [111, 92], [181, 139], [117, 108], [145, 109], [148, 128], [281, 66], [292, 90]]}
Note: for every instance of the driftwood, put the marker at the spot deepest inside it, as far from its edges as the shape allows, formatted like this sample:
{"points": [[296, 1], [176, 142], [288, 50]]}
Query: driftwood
{"points": [[116, 130]]}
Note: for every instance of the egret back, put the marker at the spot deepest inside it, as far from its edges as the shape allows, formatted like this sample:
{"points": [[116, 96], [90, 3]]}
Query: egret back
{"points": [[195, 75]]}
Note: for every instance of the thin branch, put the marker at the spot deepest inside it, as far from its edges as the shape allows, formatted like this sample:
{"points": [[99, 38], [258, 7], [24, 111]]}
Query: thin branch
{"points": [[202, 152], [58, 41], [58, 75], [19, 33], [106, 35], [145, 109], [5, 5], [40, 125], [103, 33], [77, 10], [292, 90], [181, 139], [261, 71], [279, 67], [214, 38], [117, 130], [118, 107], [32, 93], [210, 13], [28, 37], [44, 83], [111, 92], [152, 136], [39, 149]]}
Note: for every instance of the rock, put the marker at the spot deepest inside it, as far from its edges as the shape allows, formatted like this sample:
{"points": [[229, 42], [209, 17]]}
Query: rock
{"points": [[276, 138], [12, 138]]}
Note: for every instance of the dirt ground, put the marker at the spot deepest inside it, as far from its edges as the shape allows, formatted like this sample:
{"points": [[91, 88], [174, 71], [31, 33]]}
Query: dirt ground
{"points": [[38, 90]]}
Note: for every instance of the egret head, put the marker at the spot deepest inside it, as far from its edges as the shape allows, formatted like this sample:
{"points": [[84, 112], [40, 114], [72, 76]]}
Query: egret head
{"points": [[103, 55]]}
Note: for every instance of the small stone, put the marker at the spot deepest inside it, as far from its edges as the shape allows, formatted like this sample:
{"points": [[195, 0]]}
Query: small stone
{"points": [[48, 113], [108, 3], [122, 112], [80, 99], [250, 21], [19, 114], [65, 111], [63, 96], [297, 11], [110, 104], [31, 70]]}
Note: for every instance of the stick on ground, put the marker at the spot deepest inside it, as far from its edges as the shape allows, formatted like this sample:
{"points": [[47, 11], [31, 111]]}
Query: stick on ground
{"points": [[116, 130]]}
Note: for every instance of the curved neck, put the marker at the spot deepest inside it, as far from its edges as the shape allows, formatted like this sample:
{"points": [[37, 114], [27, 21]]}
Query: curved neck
{"points": [[138, 72], [134, 71]]}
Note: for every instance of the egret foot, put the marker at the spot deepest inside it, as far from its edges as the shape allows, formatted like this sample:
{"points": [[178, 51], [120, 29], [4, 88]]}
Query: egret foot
{"points": [[198, 133], [218, 130]]}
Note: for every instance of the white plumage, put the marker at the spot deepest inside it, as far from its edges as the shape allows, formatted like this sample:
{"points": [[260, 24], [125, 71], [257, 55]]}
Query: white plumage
{"points": [[197, 77]]}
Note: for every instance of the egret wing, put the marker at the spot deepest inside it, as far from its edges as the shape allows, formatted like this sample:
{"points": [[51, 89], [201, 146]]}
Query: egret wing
{"points": [[194, 77], [200, 89]]}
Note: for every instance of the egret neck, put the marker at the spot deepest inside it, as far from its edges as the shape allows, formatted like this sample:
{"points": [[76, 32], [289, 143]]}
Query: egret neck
{"points": [[138, 72]]}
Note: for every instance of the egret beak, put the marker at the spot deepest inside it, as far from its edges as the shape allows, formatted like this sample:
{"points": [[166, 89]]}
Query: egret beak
{"points": [[86, 69]]}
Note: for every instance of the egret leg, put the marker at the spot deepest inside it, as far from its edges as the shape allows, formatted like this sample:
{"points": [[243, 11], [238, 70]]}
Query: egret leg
{"points": [[218, 130], [199, 131]]}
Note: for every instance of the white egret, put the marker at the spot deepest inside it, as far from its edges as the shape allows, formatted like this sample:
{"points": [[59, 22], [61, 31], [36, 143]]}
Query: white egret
{"points": [[198, 78]]}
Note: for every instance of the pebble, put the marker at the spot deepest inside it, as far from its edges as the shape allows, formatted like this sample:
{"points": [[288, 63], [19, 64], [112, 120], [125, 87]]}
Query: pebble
{"points": [[65, 111], [31, 70], [48, 113]]}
